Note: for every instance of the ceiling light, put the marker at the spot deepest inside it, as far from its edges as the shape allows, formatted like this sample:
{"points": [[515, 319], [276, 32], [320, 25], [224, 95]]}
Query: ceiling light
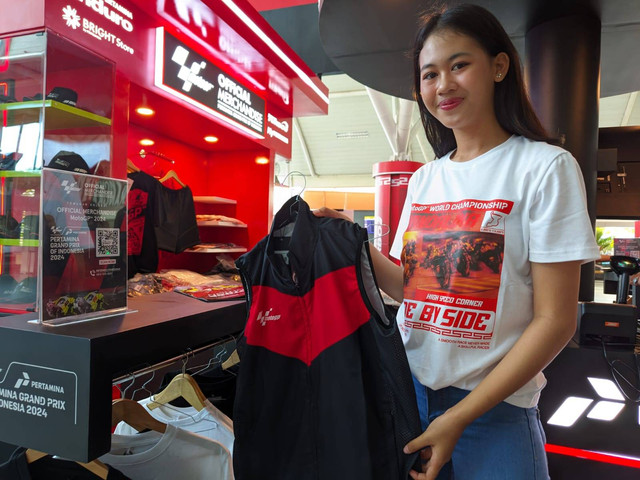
{"points": [[606, 410], [606, 388], [146, 142], [211, 139], [146, 111], [262, 160], [361, 134], [570, 410]]}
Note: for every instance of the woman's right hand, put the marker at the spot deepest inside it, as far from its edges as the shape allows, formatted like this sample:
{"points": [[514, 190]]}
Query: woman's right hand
{"points": [[328, 212]]}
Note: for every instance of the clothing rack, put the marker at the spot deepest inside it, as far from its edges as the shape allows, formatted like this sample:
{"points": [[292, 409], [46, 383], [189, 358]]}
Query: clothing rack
{"points": [[143, 153], [165, 363]]}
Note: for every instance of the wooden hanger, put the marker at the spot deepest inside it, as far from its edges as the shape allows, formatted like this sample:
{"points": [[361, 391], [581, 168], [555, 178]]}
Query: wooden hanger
{"points": [[134, 414], [131, 167], [233, 359], [182, 385], [33, 455], [96, 466], [174, 175]]}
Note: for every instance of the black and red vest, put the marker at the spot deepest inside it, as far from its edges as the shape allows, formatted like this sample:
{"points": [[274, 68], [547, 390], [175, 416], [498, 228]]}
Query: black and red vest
{"points": [[324, 390]]}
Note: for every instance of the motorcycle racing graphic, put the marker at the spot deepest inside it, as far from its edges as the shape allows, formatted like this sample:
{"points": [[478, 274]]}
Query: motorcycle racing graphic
{"points": [[452, 259]]}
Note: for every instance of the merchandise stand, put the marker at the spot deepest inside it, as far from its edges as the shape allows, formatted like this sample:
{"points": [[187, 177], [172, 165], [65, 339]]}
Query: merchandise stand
{"points": [[208, 68], [72, 367]]}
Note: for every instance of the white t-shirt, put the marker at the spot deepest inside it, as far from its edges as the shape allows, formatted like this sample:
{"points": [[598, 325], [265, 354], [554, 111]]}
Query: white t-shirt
{"points": [[467, 235], [209, 422], [175, 454]]}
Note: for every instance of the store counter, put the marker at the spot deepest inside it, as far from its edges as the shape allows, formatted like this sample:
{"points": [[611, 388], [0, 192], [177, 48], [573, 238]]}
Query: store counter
{"points": [[55, 381]]}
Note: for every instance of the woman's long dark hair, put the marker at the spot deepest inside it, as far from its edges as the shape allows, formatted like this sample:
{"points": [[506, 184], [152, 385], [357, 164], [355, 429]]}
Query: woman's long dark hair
{"points": [[511, 102]]}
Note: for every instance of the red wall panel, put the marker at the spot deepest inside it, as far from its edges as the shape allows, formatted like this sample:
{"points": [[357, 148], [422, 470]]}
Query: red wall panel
{"points": [[261, 5]]}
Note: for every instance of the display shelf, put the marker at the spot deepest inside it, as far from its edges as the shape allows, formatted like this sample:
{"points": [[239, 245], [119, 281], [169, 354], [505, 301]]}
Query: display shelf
{"points": [[19, 242], [58, 115], [20, 174], [215, 223], [214, 200]]}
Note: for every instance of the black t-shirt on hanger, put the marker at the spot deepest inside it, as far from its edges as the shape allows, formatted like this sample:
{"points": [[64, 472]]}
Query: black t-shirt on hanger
{"points": [[49, 468], [142, 245]]}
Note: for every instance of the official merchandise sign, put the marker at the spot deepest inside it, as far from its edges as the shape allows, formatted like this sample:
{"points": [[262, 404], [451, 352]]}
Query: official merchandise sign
{"points": [[189, 76], [83, 245]]}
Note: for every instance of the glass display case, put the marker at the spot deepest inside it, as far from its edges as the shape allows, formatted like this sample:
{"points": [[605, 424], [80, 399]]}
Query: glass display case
{"points": [[55, 104]]}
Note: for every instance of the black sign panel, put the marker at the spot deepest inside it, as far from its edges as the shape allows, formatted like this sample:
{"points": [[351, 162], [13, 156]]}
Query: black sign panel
{"points": [[203, 82], [45, 394], [35, 391]]}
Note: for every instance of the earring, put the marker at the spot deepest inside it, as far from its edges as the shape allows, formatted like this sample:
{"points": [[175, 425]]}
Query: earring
{"points": [[499, 76]]}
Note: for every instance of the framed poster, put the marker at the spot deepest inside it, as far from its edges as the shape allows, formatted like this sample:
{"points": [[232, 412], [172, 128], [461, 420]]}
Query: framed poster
{"points": [[83, 246]]}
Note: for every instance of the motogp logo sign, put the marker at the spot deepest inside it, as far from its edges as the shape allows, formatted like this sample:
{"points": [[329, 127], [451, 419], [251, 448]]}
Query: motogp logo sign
{"points": [[607, 408], [190, 75]]}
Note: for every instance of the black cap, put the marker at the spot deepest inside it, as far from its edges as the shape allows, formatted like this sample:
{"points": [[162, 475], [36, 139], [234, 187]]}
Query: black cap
{"points": [[25, 291], [7, 284], [63, 95], [36, 96], [7, 99], [8, 162], [8, 226], [70, 161]]}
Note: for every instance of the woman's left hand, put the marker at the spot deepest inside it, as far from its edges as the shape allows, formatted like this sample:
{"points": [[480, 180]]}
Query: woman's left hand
{"points": [[436, 445]]}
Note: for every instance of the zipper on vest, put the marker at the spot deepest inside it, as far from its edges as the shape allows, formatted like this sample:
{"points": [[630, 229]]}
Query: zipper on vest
{"points": [[304, 315]]}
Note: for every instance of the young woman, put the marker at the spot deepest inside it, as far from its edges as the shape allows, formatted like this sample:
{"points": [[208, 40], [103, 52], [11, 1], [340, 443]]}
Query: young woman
{"points": [[494, 230]]}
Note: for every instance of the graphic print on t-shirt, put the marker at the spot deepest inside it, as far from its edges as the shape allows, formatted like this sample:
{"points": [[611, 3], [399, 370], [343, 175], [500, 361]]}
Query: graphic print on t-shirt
{"points": [[452, 259], [137, 213]]}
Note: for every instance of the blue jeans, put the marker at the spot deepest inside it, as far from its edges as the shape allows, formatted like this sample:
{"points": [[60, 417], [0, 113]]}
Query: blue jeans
{"points": [[506, 443]]}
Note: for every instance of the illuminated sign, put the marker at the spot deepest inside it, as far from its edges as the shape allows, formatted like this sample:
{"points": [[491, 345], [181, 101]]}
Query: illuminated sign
{"points": [[607, 408], [112, 11], [280, 129], [108, 10], [198, 17], [189, 76], [279, 85]]}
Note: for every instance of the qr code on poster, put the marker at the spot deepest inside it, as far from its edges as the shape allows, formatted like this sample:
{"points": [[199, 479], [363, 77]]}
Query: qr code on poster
{"points": [[107, 242]]}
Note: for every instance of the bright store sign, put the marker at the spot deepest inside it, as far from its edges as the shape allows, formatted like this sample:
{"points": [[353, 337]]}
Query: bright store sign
{"points": [[119, 18], [187, 75]]}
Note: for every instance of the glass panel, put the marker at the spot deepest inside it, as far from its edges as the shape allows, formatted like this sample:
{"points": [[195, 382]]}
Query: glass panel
{"points": [[55, 104]]}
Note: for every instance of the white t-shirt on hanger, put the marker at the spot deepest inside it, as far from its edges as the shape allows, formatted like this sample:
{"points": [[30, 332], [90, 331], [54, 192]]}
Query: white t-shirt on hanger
{"points": [[175, 454], [209, 422]]}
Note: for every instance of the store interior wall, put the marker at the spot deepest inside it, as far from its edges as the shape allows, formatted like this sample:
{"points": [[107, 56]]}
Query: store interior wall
{"points": [[229, 174]]}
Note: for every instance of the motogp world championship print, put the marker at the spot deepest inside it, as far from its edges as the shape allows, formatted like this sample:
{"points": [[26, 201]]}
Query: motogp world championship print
{"points": [[452, 260]]}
